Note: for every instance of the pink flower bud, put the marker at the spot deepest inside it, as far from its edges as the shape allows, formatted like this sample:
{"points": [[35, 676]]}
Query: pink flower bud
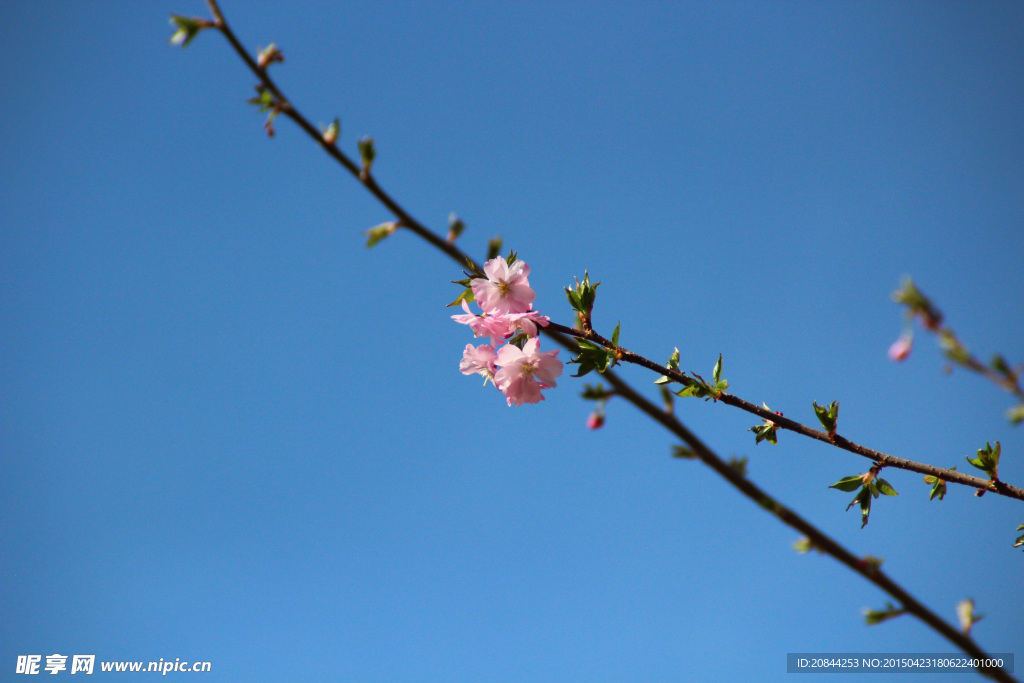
{"points": [[901, 348], [595, 421]]}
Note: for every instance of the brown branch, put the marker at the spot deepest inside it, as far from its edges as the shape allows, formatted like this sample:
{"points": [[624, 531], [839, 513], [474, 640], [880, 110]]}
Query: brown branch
{"points": [[884, 459], [818, 538]]}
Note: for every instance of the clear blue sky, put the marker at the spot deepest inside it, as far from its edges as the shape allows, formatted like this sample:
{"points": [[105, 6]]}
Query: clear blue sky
{"points": [[230, 433]]}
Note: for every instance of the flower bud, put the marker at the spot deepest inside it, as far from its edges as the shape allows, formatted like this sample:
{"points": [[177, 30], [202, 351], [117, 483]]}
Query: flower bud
{"points": [[900, 349]]}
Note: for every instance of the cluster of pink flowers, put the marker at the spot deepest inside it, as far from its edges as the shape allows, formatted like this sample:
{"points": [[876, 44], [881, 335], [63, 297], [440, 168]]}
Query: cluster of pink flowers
{"points": [[506, 300]]}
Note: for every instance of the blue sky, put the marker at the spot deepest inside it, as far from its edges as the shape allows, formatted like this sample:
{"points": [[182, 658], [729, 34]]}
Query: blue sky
{"points": [[231, 433]]}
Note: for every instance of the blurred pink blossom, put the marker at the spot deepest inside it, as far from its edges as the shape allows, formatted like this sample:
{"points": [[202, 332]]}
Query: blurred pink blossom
{"points": [[900, 349]]}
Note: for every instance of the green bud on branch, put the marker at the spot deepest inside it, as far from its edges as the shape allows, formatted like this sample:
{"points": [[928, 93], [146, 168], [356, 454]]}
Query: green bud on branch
{"points": [[187, 28], [872, 617], [828, 417]]}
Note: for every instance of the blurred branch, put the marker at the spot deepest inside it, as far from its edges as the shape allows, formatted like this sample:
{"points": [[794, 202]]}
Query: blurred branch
{"points": [[880, 458], [818, 539], [998, 371]]}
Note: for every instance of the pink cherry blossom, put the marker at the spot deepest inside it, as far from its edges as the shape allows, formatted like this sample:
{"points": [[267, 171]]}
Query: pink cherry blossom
{"points": [[901, 348], [501, 326], [483, 325], [478, 360], [596, 420], [506, 289], [525, 372]]}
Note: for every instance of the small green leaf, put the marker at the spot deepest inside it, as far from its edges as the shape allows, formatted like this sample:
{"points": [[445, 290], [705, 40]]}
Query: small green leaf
{"points": [[466, 295], [455, 227], [1000, 365], [264, 101], [716, 374], [765, 432], [684, 452], [803, 545], [1016, 414], [379, 232], [695, 389], [849, 484], [493, 247], [367, 152], [938, 486], [1020, 539], [865, 505], [673, 364], [987, 460], [828, 416], [918, 304], [595, 393], [615, 336], [953, 348], [872, 617], [885, 488], [739, 465], [187, 28]]}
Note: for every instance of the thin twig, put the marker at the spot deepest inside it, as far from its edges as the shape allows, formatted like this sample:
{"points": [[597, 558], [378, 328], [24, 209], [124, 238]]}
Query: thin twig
{"points": [[947, 475], [817, 538]]}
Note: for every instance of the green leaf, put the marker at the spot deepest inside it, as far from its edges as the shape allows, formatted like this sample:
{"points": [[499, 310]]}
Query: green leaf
{"points": [[466, 295], [493, 247], [828, 416], [716, 374], [593, 357], [938, 486], [455, 227], [739, 465], [865, 505], [872, 617], [953, 348], [684, 452], [673, 364], [379, 232], [187, 28], [585, 294], [695, 389], [264, 101], [885, 488], [595, 393], [987, 460], [367, 152], [1016, 414], [765, 432], [803, 545], [615, 336], [848, 484], [1000, 365], [918, 304], [1020, 539]]}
